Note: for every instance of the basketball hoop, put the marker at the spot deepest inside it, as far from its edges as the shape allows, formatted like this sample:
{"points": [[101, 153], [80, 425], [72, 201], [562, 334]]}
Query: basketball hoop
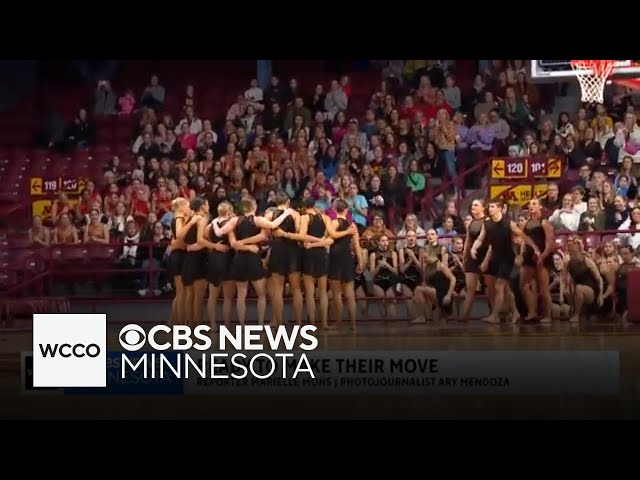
{"points": [[592, 75]]}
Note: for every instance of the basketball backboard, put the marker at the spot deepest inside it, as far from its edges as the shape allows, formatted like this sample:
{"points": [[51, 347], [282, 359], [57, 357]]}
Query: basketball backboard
{"points": [[561, 69]]}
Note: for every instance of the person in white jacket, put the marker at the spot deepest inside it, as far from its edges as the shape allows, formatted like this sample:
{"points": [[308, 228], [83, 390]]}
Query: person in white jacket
{"points": [[130, 244], [567, 217], [628, 139], [631, 223], [195, 124]]}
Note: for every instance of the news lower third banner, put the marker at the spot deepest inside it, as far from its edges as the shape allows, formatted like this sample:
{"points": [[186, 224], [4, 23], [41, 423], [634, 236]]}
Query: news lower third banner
{"points": [[353, 373]]}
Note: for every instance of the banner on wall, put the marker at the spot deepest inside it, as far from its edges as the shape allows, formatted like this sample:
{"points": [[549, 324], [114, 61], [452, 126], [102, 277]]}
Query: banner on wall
{"points": [[520, 194]]}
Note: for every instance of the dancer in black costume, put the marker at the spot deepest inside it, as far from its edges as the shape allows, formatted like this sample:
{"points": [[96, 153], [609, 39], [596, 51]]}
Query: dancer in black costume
{"points": [[472, 270], [182, 220], [535, 268], [219, 266], [360, 283], [498, 230], [586, 278], [342, 265], [285, 260], [315, 259], [433, 246], [558, 289], [409, 261], [244, 233], [194, 269], [383, 265], [622, 281], [607, 268], [436, 292]]}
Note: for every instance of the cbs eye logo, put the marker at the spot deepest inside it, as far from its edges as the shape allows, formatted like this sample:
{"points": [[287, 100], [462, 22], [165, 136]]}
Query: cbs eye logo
{"points": [[132, 337]]}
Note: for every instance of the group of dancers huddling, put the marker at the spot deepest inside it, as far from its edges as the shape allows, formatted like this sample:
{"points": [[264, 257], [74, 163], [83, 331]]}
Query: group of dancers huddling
{"points": [[306, 250], [324, 265]]}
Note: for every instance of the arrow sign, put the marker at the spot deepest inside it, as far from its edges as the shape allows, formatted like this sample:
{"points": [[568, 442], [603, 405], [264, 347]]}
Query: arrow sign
{"points": [[497, 168], [36, 186], [553, 168]]}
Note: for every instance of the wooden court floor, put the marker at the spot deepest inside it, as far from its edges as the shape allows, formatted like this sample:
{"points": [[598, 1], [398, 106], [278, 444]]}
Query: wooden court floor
{"points": [[371, 336]]}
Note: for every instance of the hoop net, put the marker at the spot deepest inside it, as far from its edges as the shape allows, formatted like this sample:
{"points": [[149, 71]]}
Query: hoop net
{"points": [[592, 75]]}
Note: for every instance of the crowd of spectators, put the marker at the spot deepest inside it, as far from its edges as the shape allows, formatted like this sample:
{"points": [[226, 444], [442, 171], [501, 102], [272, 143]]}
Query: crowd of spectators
{"points": [[418, 130]]}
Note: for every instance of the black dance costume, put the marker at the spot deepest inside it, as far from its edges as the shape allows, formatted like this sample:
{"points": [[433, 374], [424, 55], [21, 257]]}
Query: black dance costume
{"points": [[521, 303], [555, 275], [195, 263], [286, 255], [472, 265], [535, 231], [457, 271], [385, 278], [246, 266], [607, 303], [176, 257], [341, 257], [412, 276], [622, 282], [431, 250], [500, 239], [435, 279], [581, 274], [315, 261], [264, 251], [219, 263], [358, 279]]}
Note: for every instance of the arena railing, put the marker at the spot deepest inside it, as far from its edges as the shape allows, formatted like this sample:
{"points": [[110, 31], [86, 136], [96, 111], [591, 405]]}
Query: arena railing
{"points": [[428, 202], [39, 270]]}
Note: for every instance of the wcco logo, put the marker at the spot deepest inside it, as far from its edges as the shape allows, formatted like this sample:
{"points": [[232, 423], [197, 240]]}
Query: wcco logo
{"points": [[65, 350], [69, 350]]}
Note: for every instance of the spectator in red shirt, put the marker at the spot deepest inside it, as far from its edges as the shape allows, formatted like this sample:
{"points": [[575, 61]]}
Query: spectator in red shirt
{"points": [[408, 108], [188, 141], [439, 103], [345, 84]]}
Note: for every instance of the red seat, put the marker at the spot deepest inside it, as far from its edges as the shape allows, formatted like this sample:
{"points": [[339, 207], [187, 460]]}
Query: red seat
{"points": [[20, 240], [74, 253], [35, 155], [103, 121], [101, 252], [121, 150], [101, 149], [104, 135], [56, 254], [81, 156]]}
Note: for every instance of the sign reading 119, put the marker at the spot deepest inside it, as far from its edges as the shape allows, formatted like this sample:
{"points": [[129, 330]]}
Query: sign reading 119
{"points": [[50, 186]]}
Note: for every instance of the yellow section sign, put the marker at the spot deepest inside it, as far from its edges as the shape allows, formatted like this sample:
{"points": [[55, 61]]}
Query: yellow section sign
{"points": [[554, 168], [35, 186], [42, 208], [519, 194], [497, 168]]}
